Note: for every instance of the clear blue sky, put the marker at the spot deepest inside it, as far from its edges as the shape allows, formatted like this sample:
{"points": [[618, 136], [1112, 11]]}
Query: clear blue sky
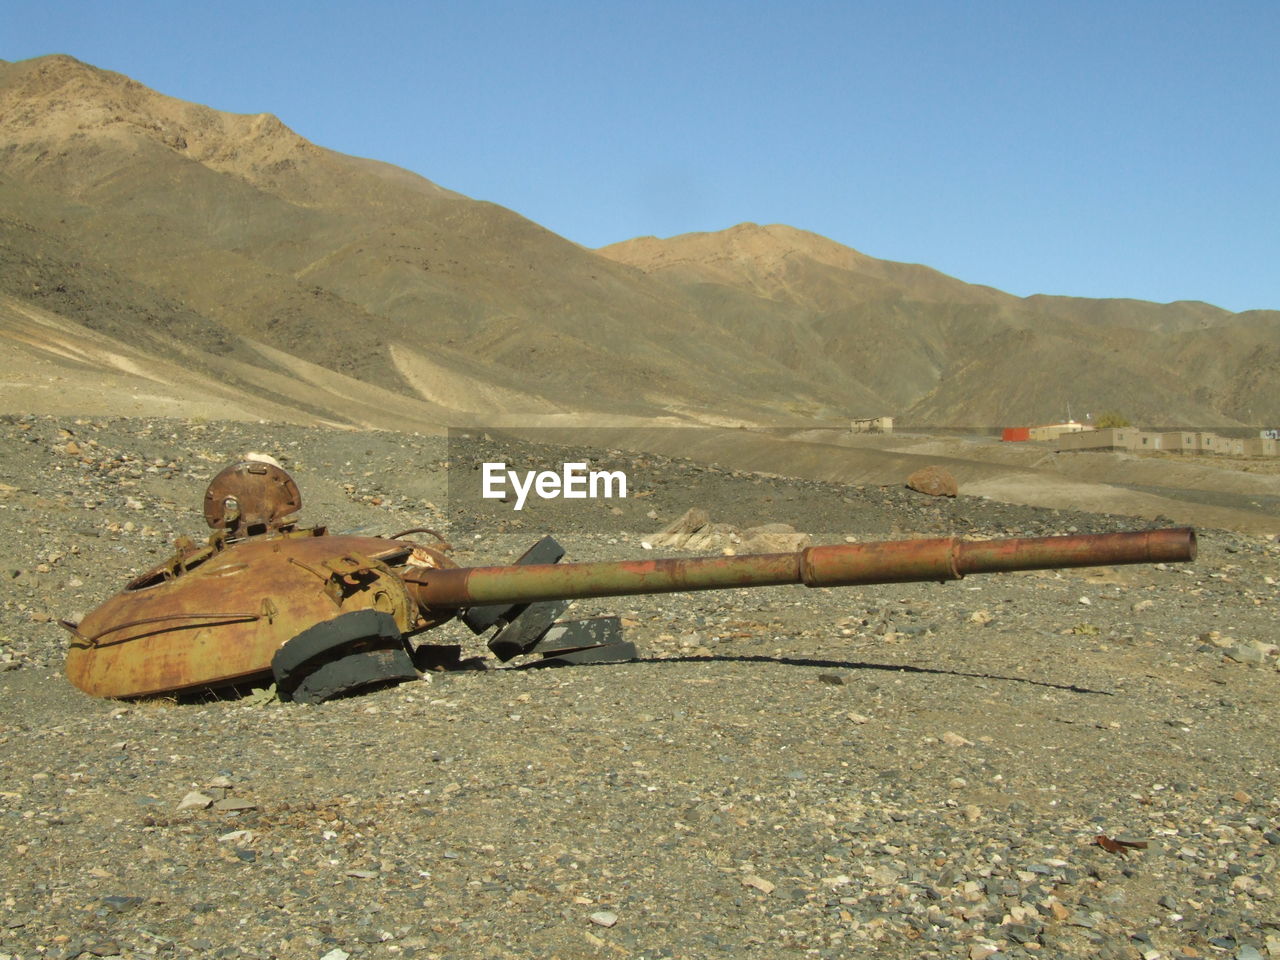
{"points": [[1103, 149]]}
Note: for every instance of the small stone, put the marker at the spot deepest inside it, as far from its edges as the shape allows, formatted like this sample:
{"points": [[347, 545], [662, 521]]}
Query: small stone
{"points": [[195, 800], [1142, 605], [119, 903], [336, 955], [981, 617], [952, 739], [362, 874], [604, 918], [1020, 932], [233, 805], [760, 883], [858, 718], [1245, 653]]}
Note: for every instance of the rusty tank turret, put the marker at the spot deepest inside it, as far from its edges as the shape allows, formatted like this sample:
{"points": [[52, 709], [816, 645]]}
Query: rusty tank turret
{"points": [[326, 614]]}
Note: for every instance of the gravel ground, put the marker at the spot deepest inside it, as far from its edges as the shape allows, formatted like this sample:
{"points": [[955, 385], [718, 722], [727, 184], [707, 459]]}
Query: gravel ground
{"points": [[915, 770]]}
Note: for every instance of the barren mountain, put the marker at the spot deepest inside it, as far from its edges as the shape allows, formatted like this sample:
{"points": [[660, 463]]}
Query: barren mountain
{"points": [[946, 352], [230, 261]]}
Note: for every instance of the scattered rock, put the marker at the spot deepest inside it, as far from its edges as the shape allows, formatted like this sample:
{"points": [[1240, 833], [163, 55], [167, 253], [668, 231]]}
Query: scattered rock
{"points": [[695, 532]]}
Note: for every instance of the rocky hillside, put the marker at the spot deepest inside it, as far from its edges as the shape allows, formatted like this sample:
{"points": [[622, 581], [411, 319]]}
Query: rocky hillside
{"points": [[941, 351]]}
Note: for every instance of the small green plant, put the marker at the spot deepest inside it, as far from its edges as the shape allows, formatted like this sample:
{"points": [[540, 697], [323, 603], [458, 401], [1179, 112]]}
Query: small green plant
{"points": [[1112, 419]]}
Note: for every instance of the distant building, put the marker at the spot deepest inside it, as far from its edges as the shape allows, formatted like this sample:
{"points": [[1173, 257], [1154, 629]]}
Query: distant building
{"points": [[1074, 436], [872, 425], [1111, 438], [1052, 431], [1180, 441], [1049, 431]]}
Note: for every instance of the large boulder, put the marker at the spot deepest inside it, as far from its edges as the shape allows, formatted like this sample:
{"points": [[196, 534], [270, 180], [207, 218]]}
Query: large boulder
{"points": [[934, 481]]}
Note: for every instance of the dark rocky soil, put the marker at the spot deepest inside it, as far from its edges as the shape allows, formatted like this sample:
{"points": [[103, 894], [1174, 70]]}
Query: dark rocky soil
{"points": [[915, 770]]}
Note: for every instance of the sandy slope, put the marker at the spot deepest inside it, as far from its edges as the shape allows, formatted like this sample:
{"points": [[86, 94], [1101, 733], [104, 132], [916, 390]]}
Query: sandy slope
{"points": [[58, 366]]}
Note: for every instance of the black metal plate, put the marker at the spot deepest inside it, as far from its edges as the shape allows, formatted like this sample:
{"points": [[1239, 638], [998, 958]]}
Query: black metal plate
{"points": [[324, 637], [523, 632], [576, 634], [354, 672]]}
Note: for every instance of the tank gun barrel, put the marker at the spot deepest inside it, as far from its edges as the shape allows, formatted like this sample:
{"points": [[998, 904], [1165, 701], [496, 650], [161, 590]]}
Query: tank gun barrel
{"points": [[839, 565]]}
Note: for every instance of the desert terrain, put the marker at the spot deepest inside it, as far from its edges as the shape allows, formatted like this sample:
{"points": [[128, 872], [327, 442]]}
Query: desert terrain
{"points": [[914, 770]]}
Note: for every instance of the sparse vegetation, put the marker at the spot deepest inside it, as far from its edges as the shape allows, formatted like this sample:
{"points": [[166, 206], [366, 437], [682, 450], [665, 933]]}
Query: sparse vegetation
{"points": [[1112, 419]]}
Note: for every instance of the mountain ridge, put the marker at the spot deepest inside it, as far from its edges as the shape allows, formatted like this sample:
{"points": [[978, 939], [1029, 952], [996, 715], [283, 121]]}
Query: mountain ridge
{"points": [[203, 236]]}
